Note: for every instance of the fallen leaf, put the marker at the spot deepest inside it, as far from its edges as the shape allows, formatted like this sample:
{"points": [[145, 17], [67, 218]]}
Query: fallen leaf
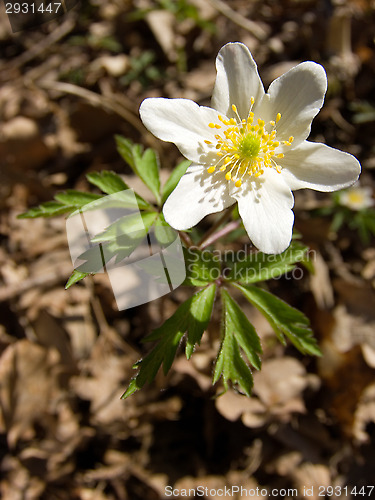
{"points": [[28, 387]]}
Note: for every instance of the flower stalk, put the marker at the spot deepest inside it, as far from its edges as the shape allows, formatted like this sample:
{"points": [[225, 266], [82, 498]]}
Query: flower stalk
{"points": [[209, 240]]}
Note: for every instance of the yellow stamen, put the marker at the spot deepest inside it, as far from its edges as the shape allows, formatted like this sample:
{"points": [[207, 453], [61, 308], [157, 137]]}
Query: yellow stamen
{"points": [[246, 148]]}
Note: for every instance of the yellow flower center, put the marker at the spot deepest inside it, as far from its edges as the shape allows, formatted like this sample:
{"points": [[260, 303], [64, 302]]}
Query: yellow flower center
{"points": [[356, 197], [245, 146]]}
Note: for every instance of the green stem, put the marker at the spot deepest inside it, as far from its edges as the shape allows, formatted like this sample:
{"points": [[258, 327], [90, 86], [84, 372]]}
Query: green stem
{"points": [[220, 221], [219, 234], [186, 239]]}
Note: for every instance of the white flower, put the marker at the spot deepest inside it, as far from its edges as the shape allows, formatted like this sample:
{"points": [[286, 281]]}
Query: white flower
{"points": [[357, 198], [250, 147]]}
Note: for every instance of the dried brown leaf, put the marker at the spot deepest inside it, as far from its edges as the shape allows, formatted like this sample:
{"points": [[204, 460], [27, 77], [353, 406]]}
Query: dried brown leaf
{"points": [[280, 381], [309, 478], [234, 406], [28, 387]]}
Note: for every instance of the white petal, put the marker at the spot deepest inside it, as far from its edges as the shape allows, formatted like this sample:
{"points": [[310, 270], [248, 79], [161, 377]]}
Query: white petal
{"points": [[298, 95], [317, 166], [237, 80], [197, 194], [265, 208], [183, 122]]}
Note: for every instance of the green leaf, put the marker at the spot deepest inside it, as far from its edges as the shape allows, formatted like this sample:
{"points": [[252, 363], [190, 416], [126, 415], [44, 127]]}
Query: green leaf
{"points": [[66, 202], [76, 199], [95, 257], [133, 387], [364, 222], [231, 366], [201, 267], [124, 228], [237, 323], [119, 240], [164, 233], [338, 220], [192, 317], [148, 170], [145, 165], [70, 200], [284, 319], [125, 147], [238, 333], [47, 209], [107, 181], [110, 183], [369, 218], [174, 179], [200, 310], [75, 277], [261, 267], [363, 231]]}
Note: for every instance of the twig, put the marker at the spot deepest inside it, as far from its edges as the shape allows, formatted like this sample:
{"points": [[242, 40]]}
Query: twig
{"points": [[39, 48], [46, 280], [109, 103], [256, 30]]}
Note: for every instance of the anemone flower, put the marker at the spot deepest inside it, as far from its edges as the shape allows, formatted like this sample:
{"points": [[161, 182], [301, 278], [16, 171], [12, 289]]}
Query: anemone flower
{"points": [[250, 147], [357, 198]]}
